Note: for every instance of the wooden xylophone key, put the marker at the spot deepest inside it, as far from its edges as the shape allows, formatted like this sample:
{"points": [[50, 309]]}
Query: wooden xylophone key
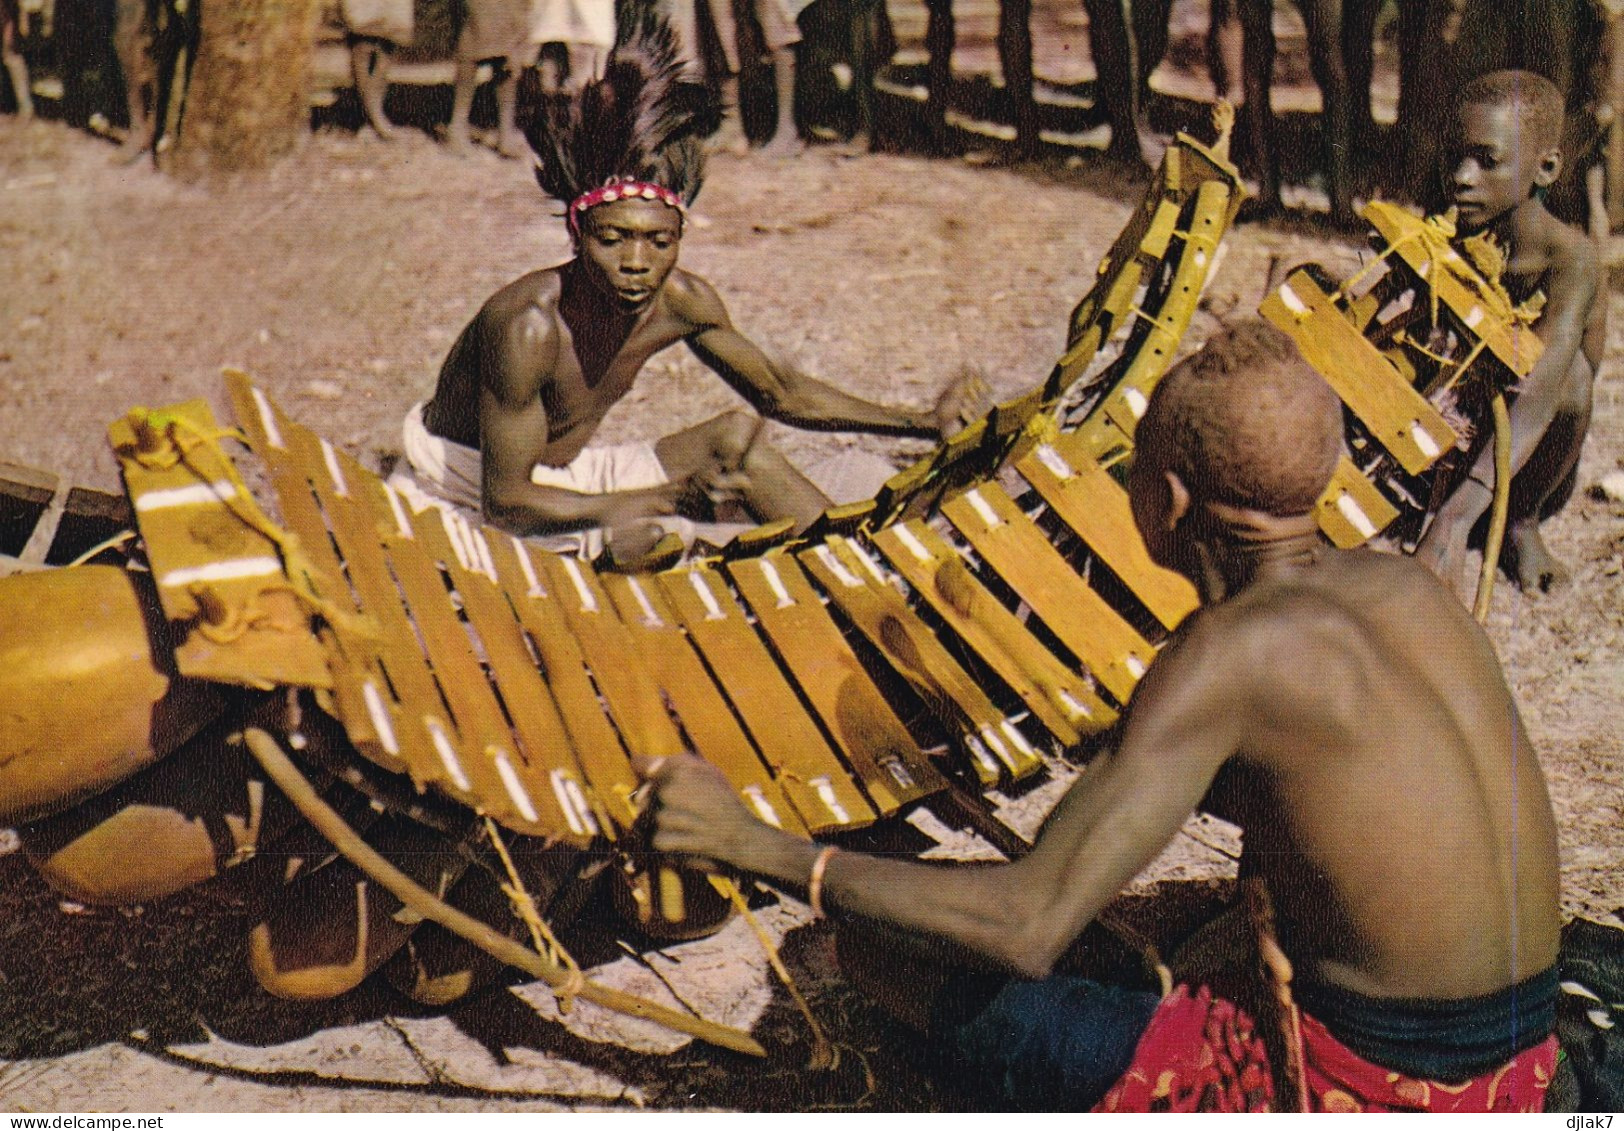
{"points": [[855, 583], [219, 572], [899, 491], [1009, 419], [424, 702], [604, 692], [544, 751], [309, 480], [1059, 698], [959, 459], [332, 927], [89, 519], [633, 609], [1095, 507], [760, 539], [877, 744], [807, 769], [1403, 421], [475, 758], [1011, 545], [380, 725], [1102, 311], [286, 450]]}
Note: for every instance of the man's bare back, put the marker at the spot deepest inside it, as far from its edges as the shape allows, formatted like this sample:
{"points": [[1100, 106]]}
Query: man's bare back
{"points": [[1389, 793]]}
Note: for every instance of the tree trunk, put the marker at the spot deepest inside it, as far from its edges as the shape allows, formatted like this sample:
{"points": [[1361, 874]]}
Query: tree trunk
{"points": [[248, 103]]}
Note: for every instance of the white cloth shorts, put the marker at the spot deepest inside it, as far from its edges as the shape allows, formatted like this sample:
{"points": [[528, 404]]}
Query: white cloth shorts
{"points": [[447, 473]]}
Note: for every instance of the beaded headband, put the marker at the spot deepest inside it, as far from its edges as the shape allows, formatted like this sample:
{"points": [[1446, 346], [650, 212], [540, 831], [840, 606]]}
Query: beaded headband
{"points": [[620, 190]]}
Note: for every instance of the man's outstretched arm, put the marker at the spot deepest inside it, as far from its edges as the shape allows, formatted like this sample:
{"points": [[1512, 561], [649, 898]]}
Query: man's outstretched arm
{"points": [[786, 394], [1021, 916]]}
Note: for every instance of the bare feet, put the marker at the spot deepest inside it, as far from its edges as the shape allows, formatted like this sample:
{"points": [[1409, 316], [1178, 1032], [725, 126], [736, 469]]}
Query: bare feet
{"points": [[729, 138], [510, 144], [783, 144], [1533, 565], [133, 149]]}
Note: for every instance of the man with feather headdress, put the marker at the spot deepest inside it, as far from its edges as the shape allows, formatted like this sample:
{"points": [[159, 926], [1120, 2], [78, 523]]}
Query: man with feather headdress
{"points": [[508, 431]]}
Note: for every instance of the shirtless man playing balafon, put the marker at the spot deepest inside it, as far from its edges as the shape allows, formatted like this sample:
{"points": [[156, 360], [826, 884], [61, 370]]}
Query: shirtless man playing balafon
{"points": [[526, 386], [1343, 709], [1506, 152]]}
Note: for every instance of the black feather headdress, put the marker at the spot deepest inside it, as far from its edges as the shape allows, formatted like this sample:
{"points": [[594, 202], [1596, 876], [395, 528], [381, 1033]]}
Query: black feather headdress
{"points": [[639, 122]]}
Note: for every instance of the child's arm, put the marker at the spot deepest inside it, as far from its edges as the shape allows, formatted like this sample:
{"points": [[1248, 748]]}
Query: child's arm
{"points": [[1574, 282]]}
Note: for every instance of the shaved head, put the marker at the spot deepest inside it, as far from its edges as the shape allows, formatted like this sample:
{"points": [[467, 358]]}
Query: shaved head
{"points": [[1534, 99], [1245, 421]]}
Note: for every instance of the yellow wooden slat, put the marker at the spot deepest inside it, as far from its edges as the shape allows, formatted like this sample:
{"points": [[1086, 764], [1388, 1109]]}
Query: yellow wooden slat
{"points": [[874, 740], [470, 756], [1095, 507], [1401, 419], [381, 718], [1062, 701], [294, 475], [545, 757], [1351, 511], [884, 618], [1010, 544], [656, 637], [1517, 347], [635, 715], [1170, 316], [805, 766]]}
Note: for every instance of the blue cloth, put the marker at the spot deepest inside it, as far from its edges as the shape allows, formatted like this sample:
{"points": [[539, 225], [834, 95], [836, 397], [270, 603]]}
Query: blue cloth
{"points": [[1057, 1044], [1450, 1040]]}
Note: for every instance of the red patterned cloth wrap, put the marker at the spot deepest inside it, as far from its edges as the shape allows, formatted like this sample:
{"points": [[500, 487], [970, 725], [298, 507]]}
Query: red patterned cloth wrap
{"points": [[620, 190], [1201, 1053], [1340, 1080]]}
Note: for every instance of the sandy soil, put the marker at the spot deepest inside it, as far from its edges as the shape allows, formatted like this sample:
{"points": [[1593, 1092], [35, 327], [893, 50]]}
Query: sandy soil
{"points": [[339, 280]]}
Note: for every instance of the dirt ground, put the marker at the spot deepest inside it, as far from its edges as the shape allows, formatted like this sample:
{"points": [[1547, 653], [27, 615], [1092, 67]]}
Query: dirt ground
{"points": [[339, 280]]}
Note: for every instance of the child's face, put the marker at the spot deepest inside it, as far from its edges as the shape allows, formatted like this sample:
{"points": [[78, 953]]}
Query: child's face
{"points": [[1494, 164]]}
